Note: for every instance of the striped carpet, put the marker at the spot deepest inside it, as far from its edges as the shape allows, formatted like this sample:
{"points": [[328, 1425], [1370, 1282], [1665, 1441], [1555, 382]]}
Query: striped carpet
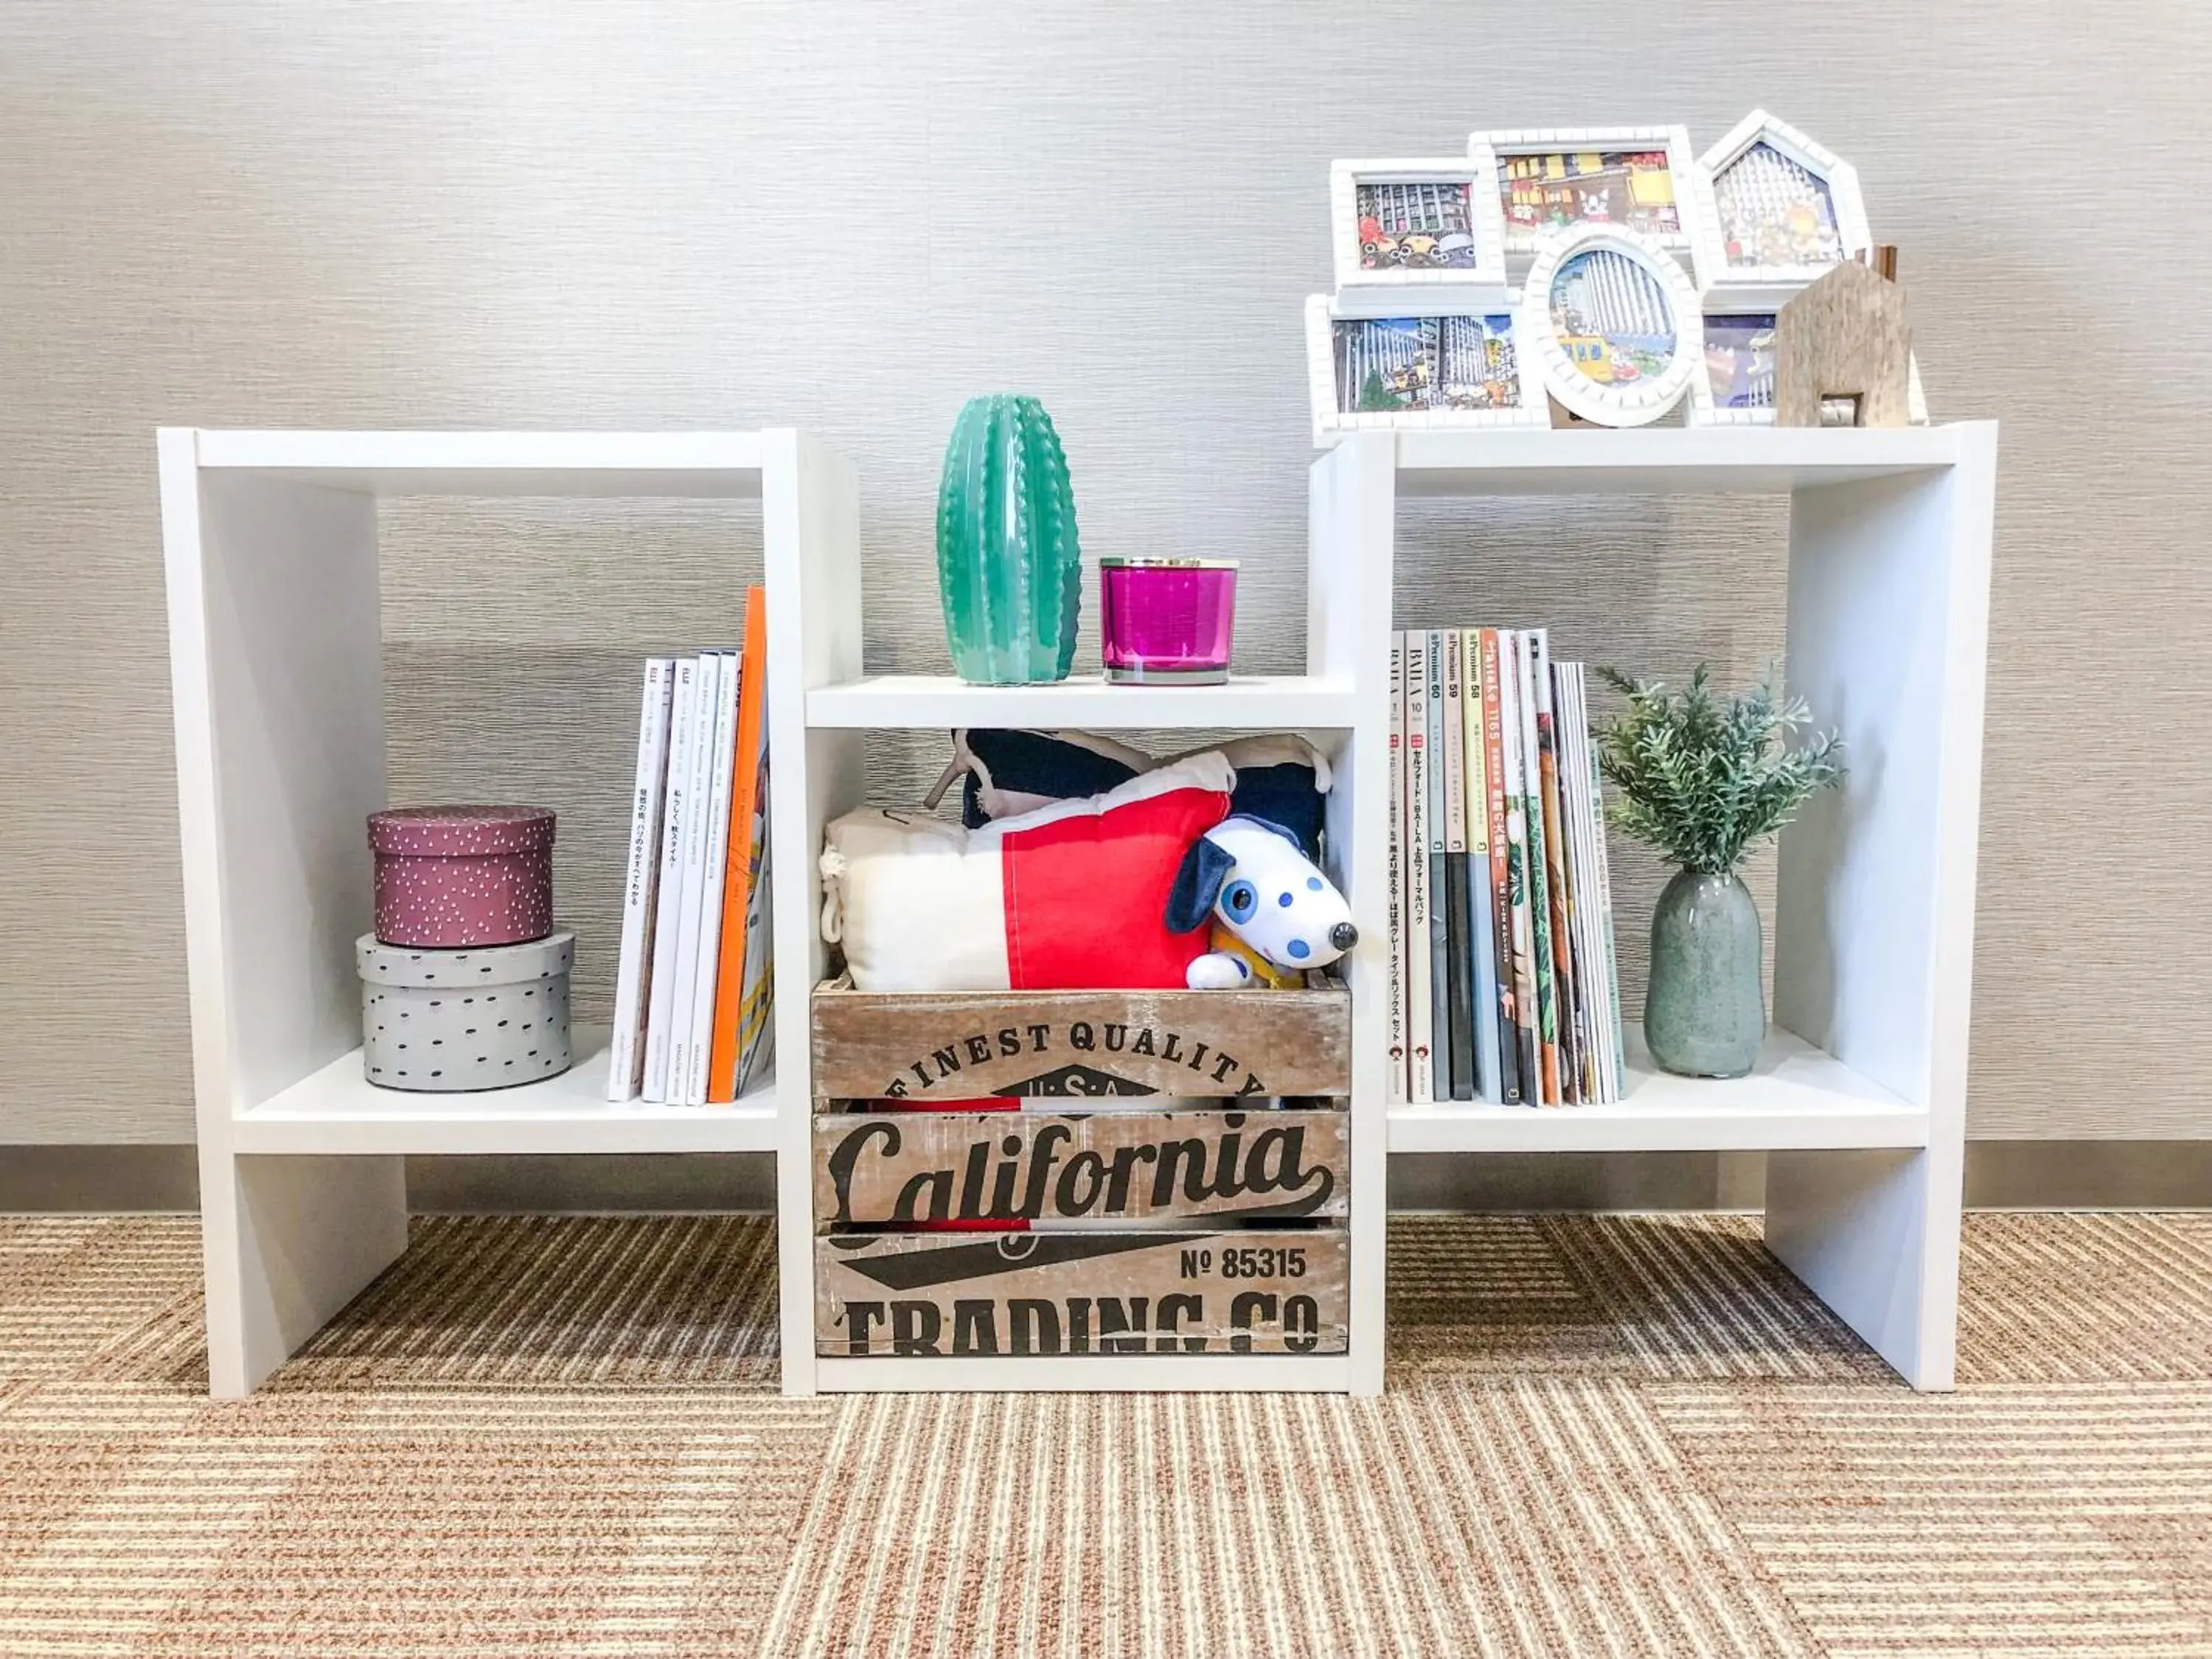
{"points": [[1618, 1436]]}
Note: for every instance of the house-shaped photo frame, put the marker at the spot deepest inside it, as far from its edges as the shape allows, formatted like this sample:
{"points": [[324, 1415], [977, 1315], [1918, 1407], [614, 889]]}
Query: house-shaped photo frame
{"points": [[1550, 179], [1775, 211], [1420, 369], [1420, 233]]}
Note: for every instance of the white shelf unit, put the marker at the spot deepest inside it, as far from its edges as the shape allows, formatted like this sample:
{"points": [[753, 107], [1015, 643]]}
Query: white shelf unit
{"points": [[1860, 1098], [269, 541], [820, 706], [270, 547]]}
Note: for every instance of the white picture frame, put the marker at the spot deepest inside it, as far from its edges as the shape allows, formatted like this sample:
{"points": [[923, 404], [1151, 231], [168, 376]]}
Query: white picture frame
{"points": [[1743, 284], [1643, 284], [1506, 153], [1332, 422], [1425, 186]]}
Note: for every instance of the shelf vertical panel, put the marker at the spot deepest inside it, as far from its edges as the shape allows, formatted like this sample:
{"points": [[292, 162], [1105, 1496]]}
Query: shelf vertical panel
{"points": [[1887, 621], [811, 533], [276, 681], [1352, 507]]}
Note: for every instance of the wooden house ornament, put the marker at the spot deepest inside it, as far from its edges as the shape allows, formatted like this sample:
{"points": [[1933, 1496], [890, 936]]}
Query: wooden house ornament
{"points": [[1843, 349]]}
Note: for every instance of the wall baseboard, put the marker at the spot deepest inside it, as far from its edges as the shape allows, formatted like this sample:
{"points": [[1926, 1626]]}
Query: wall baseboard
{"points": [[2119, 1175], [108, 1177]]}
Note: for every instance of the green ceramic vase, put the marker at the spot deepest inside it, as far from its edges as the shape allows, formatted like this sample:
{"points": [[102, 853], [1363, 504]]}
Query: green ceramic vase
{"points": [[1008, 565], [1704, 1011]]}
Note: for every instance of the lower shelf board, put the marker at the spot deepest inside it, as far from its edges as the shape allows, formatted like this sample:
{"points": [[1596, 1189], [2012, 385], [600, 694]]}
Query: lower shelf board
{"points": [[338, 1111], [1798, 1098], [1118, 1293]]}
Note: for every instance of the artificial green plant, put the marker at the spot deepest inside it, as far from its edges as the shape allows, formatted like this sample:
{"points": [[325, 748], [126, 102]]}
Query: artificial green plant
{"points": [[1703, 780]]}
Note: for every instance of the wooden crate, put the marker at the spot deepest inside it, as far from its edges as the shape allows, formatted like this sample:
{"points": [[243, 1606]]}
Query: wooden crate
{"points": [[909, 1167], [1089, 1291], [976, 1045]]}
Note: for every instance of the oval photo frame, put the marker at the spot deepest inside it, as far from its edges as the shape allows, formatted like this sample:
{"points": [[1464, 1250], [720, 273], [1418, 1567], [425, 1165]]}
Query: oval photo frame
{"points": [[1613, 324]]}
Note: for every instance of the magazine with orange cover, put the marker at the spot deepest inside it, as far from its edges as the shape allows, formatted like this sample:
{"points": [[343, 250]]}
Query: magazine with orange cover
{"points": [[738, 871]]}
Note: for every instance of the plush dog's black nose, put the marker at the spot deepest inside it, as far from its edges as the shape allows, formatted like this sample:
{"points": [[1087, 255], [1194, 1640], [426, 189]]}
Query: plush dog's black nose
{"points": [[1344, 936]]}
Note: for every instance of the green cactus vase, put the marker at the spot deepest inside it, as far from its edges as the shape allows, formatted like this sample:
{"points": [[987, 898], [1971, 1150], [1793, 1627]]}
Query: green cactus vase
{"points": [[1008, 565]]}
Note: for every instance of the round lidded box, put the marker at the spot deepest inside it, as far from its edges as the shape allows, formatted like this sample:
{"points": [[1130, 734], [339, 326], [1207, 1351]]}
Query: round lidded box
{"points": [[454, 1020], [449, 877]]}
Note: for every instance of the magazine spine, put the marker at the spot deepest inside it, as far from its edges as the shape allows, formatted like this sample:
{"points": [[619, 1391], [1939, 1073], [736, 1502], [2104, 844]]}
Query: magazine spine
{"points": [[1540, 909], [1440, 1048], [1459, 964], [692, 876], [715, 861], [1592, 902], [1419, 1009], [1609, 965], [748, 822], [1510, 1070], [641, 883], [1575, 861], [1555, 865], [1394, 875], [1530, 1052], [660, 1008], [1481, 919], [756, 1000]]}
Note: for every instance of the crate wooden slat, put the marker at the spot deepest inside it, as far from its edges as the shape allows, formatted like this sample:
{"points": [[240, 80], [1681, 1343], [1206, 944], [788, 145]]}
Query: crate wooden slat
{"points": [[1085, 1291], [974, 1045], [907, 1168]]}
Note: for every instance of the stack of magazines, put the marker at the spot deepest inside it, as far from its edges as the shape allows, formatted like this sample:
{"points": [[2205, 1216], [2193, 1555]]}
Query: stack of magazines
{"points": [[1502, 982], [694, 992]]}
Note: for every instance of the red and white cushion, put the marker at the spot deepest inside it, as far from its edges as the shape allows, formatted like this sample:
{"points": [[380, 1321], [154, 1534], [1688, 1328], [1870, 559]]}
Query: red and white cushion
{"points": [[1073, 896]]}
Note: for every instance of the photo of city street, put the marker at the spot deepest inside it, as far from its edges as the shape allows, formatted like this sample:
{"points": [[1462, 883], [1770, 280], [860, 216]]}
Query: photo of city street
{"points": [[1740, 360], [1416, 225], [1548, 190], [1774, 211], [1386, 364], [1613, 317], [1477, 368]]}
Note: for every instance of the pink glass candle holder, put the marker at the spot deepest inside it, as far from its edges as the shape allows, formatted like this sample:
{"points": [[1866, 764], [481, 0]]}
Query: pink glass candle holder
{"points": [[1167, 621]]}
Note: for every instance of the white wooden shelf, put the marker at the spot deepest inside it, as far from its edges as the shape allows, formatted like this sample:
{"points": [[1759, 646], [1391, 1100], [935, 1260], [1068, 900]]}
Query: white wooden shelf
{"points": [[1664, 460], [1886, 623], [277, 665], [821, 706], [338, 1111], [926, 701], [689, 465], [1797, 1099]]}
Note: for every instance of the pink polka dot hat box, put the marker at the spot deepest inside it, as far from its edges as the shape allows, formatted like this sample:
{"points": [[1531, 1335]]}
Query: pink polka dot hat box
{"points": [[450, 878]]}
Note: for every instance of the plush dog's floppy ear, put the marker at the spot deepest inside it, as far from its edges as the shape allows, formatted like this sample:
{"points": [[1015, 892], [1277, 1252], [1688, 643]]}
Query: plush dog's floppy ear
{"points": [[1197, 884]]}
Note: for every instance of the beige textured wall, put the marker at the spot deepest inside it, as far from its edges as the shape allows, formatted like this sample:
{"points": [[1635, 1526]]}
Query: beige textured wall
{"points": [[562, 214]]}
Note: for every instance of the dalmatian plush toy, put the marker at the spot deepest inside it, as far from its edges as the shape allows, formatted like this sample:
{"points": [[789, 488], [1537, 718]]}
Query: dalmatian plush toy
{"points": [[1275, 915]]}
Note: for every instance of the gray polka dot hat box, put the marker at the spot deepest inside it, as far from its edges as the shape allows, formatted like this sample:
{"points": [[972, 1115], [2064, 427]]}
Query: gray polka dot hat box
{"points": [[463, 984], [452, 1020]]}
